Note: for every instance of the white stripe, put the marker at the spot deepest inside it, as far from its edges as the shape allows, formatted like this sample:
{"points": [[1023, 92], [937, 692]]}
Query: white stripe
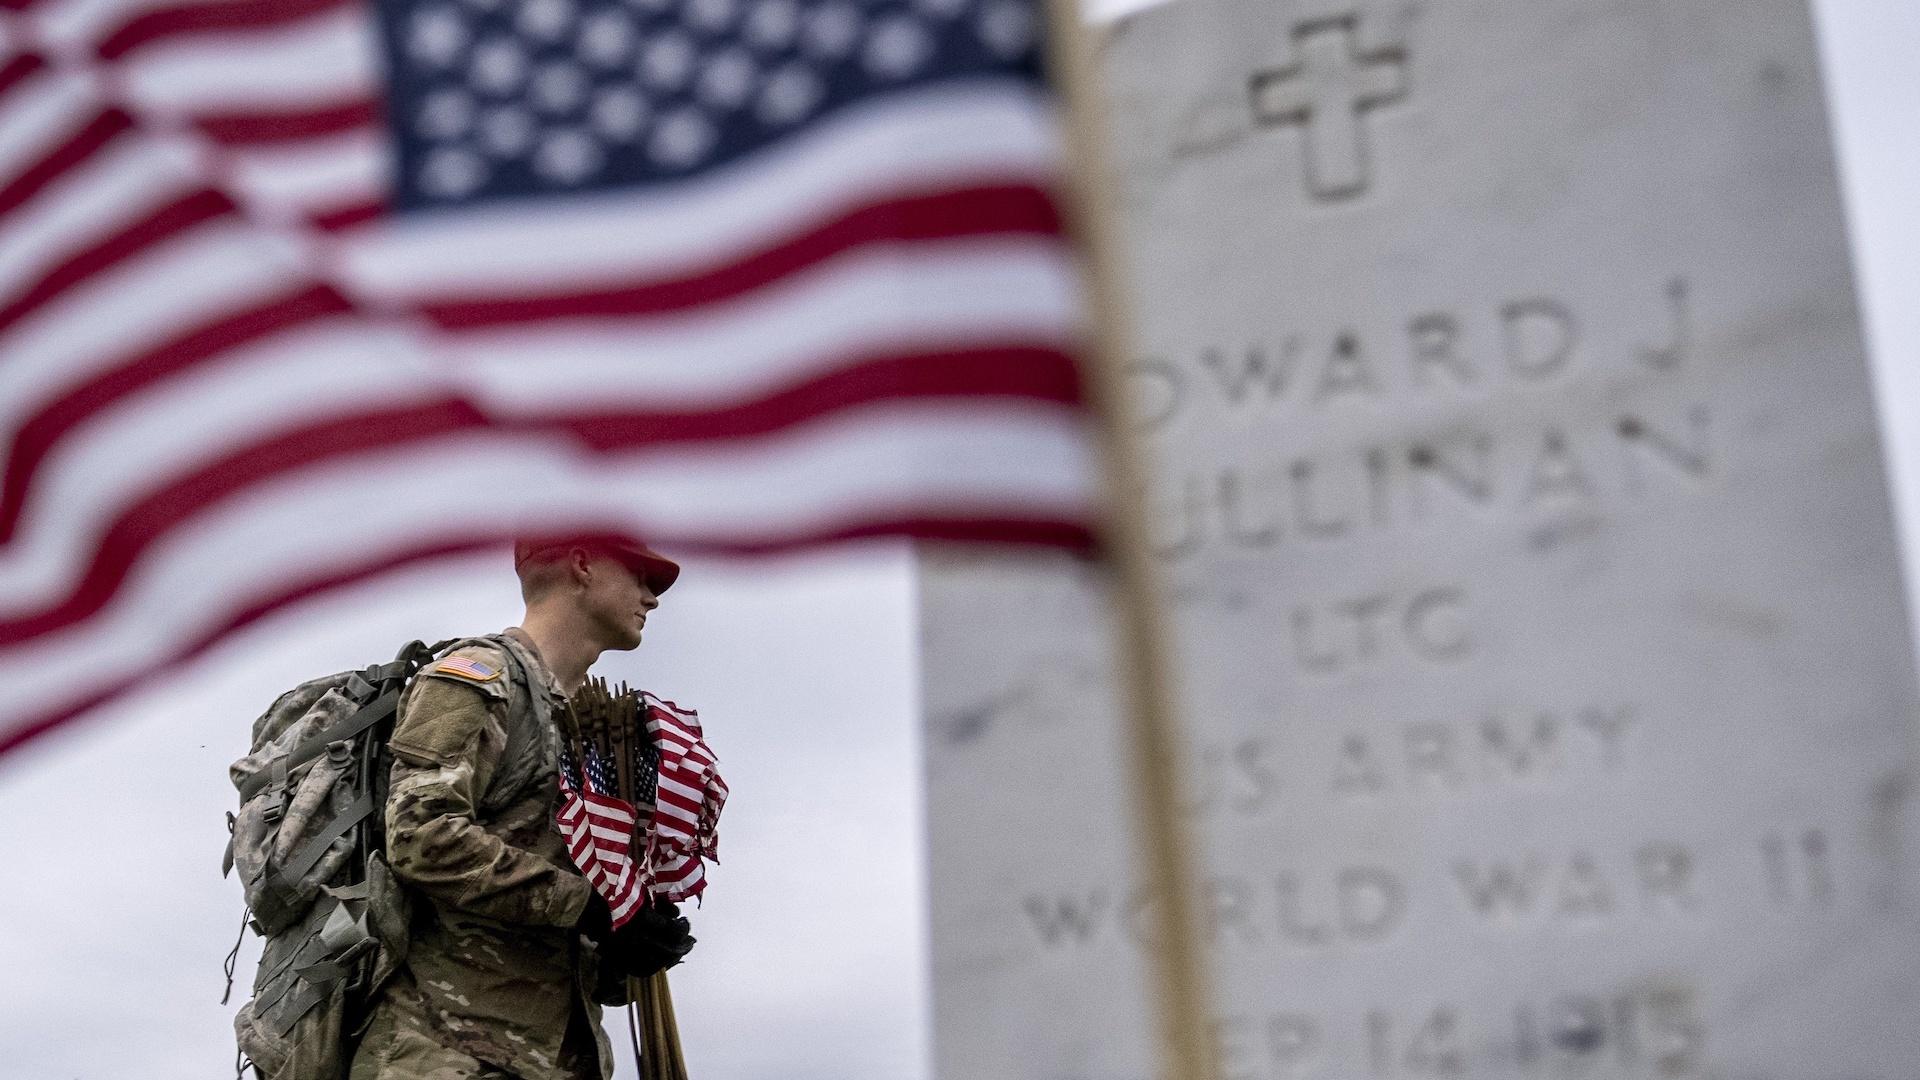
{"points": [[197, 276], [680, 884], [682, 790], [332, 366], [319, 61], [691, 817], [287, 184], [79, 25], [41, 115], [957, 294], [985, 457], [690, 741], [129, 179], [941, 137], [632, 898]]}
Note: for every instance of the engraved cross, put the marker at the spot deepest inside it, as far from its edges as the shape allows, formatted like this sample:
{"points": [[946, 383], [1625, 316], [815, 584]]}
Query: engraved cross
{"points": [[1328, 89]]}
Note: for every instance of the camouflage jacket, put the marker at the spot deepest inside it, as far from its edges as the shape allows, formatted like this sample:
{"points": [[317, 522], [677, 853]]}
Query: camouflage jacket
{"points": [[494, 966]]}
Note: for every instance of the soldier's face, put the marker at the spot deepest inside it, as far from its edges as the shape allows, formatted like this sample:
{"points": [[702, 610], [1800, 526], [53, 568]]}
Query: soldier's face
{"points": [[618, 602]]}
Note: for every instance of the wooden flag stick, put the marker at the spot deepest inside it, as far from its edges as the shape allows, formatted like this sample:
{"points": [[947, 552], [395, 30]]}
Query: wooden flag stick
{"points": [[1155, 749], [670, 1027], [660, 1034]]}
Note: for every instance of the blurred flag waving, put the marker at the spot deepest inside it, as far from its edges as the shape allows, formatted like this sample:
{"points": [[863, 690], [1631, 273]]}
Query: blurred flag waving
{"points": [[294, 292]]}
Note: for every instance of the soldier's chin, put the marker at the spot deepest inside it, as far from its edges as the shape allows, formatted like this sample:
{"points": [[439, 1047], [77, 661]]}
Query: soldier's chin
{"points": [[621, 637]]}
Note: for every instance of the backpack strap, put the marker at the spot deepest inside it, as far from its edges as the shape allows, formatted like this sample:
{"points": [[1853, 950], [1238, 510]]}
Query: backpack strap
{"points": [[363, 718], [288, 877], [521, 735]]}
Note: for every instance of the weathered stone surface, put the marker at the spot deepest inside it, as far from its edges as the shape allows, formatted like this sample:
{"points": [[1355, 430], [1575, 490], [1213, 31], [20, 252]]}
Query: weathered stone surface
{"points": [[1525, 531]]}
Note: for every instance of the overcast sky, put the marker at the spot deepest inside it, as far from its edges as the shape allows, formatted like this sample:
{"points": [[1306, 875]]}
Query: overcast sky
{"points": [[812, 963]]}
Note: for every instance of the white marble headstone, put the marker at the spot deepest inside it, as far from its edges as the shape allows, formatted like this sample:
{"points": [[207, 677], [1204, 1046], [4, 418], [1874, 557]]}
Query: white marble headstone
{"points": [[1528, 547]]}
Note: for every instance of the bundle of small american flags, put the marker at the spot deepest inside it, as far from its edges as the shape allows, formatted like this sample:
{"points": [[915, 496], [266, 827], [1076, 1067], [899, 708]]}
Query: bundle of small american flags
{"points": [[641, 796]]}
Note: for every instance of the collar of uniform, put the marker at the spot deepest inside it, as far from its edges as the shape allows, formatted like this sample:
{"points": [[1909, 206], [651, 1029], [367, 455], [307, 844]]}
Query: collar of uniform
{"points": [[540, 669]]}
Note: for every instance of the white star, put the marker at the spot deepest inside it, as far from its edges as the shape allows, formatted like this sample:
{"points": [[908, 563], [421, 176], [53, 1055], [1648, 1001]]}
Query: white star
{"points": [[790, 95], [682, 138], [831, 30], [1007, 27], [446, 114], [544, 20], [558, 87], [506, 132], [667, 60], [712, 16], [897, 47], [449, 172], [499, 66], [727, 79], [772, 24], [606, 38], [618, 113], [568, 156], [436, 36]]}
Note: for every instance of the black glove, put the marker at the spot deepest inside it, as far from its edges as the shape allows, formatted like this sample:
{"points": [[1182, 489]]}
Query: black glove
{"points": [[655, 939], [596, 921]]}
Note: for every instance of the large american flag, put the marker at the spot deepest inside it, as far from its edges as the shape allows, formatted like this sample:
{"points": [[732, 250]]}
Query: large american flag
{"points": [[295, 292]]}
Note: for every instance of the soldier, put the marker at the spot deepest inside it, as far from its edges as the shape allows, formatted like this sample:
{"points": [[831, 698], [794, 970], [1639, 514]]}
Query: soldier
{"points": [[509, 950]]}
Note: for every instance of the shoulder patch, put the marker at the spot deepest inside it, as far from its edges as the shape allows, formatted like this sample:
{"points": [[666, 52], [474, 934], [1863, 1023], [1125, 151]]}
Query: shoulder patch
{"points": [[465, 667]]}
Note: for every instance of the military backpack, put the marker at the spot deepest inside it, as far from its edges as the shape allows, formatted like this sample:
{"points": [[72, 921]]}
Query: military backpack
{"points": [[307, 843]]}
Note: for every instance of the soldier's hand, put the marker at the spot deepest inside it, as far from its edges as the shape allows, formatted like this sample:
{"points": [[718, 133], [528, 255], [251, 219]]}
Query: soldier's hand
{"points": [[655, 939], [596, 921]]}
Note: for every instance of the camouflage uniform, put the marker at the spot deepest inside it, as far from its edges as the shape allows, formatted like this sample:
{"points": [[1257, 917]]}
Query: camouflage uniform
{"points": [[496, 981]]}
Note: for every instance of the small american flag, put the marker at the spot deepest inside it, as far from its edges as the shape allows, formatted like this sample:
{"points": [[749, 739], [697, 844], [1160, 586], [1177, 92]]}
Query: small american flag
{"points": [[687, 799], [735, 276], [599, 831]]}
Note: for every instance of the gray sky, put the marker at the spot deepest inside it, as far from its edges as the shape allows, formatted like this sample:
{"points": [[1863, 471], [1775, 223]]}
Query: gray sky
{"points": [[812, 958]]}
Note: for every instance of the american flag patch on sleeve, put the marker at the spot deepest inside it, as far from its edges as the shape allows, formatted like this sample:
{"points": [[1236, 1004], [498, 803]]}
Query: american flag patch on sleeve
{"points": [[465, 668]]}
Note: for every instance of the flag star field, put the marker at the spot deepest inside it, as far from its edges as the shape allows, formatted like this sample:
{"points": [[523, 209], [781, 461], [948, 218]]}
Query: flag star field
{"points": [[491, 99]]}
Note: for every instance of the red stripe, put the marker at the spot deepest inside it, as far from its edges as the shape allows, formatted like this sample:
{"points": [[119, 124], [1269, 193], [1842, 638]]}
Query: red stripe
{"points": [[81, 145], [39, 433], [346, 217], [256, 127], [196, 208], [961, 528], [1017, 373], [244, 614], [188, 19], [1011, 209], [19, 68], [1014, 371], [686, 802]]}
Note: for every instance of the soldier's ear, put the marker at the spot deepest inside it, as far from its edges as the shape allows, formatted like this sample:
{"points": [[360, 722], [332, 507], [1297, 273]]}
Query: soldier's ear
{"points": [[580, 566]]}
